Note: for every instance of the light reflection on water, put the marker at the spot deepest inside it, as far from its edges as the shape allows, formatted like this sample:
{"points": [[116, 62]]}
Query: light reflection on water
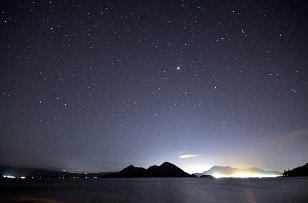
{"points": [[160, 190]]}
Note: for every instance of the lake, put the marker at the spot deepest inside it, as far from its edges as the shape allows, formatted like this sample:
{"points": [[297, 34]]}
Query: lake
{"points": [[159, 190]]}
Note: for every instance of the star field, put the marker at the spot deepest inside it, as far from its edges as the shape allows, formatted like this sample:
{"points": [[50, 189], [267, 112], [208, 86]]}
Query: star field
{"points": [[97, 86]]}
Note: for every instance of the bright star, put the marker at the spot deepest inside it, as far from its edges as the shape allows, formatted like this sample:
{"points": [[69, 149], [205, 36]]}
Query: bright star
{"points": [[178, 68]]}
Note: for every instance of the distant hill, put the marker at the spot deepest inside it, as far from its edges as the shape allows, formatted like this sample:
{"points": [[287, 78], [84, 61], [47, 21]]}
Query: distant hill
{"points": [[297, 172], [165, 170], [235, 172], [206, 176], [36, 173]]}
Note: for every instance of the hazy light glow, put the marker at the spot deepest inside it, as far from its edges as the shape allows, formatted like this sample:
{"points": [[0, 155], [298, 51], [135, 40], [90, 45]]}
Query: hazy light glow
{"points": [[186, 156], [8, 176], [244, 175]]}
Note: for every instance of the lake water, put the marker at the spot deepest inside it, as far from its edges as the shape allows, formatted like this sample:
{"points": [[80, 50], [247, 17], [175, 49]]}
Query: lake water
{"points": [[159, 190]]}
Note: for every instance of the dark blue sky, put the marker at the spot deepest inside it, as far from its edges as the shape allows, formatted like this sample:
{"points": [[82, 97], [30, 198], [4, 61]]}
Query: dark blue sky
{"points": [[100, 85]]}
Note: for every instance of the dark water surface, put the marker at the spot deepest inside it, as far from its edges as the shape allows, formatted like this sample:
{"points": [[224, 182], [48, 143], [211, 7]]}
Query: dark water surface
{"points": [[160, 190]]}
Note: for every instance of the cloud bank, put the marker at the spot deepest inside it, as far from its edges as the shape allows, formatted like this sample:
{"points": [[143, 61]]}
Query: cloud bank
{"points": [[186, 156]]}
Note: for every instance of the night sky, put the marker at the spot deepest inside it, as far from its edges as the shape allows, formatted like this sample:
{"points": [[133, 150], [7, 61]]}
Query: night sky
{"points": [[99, 85]]}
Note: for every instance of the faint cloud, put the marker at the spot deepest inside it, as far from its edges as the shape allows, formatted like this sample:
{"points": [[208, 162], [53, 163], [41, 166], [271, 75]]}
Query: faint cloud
{"points": [[290, 138], [186, 156]]}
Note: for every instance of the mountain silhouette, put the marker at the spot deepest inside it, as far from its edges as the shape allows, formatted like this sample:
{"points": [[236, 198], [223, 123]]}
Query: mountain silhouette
{"points": [[165, 170], [132, 171], [296, 172]]}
